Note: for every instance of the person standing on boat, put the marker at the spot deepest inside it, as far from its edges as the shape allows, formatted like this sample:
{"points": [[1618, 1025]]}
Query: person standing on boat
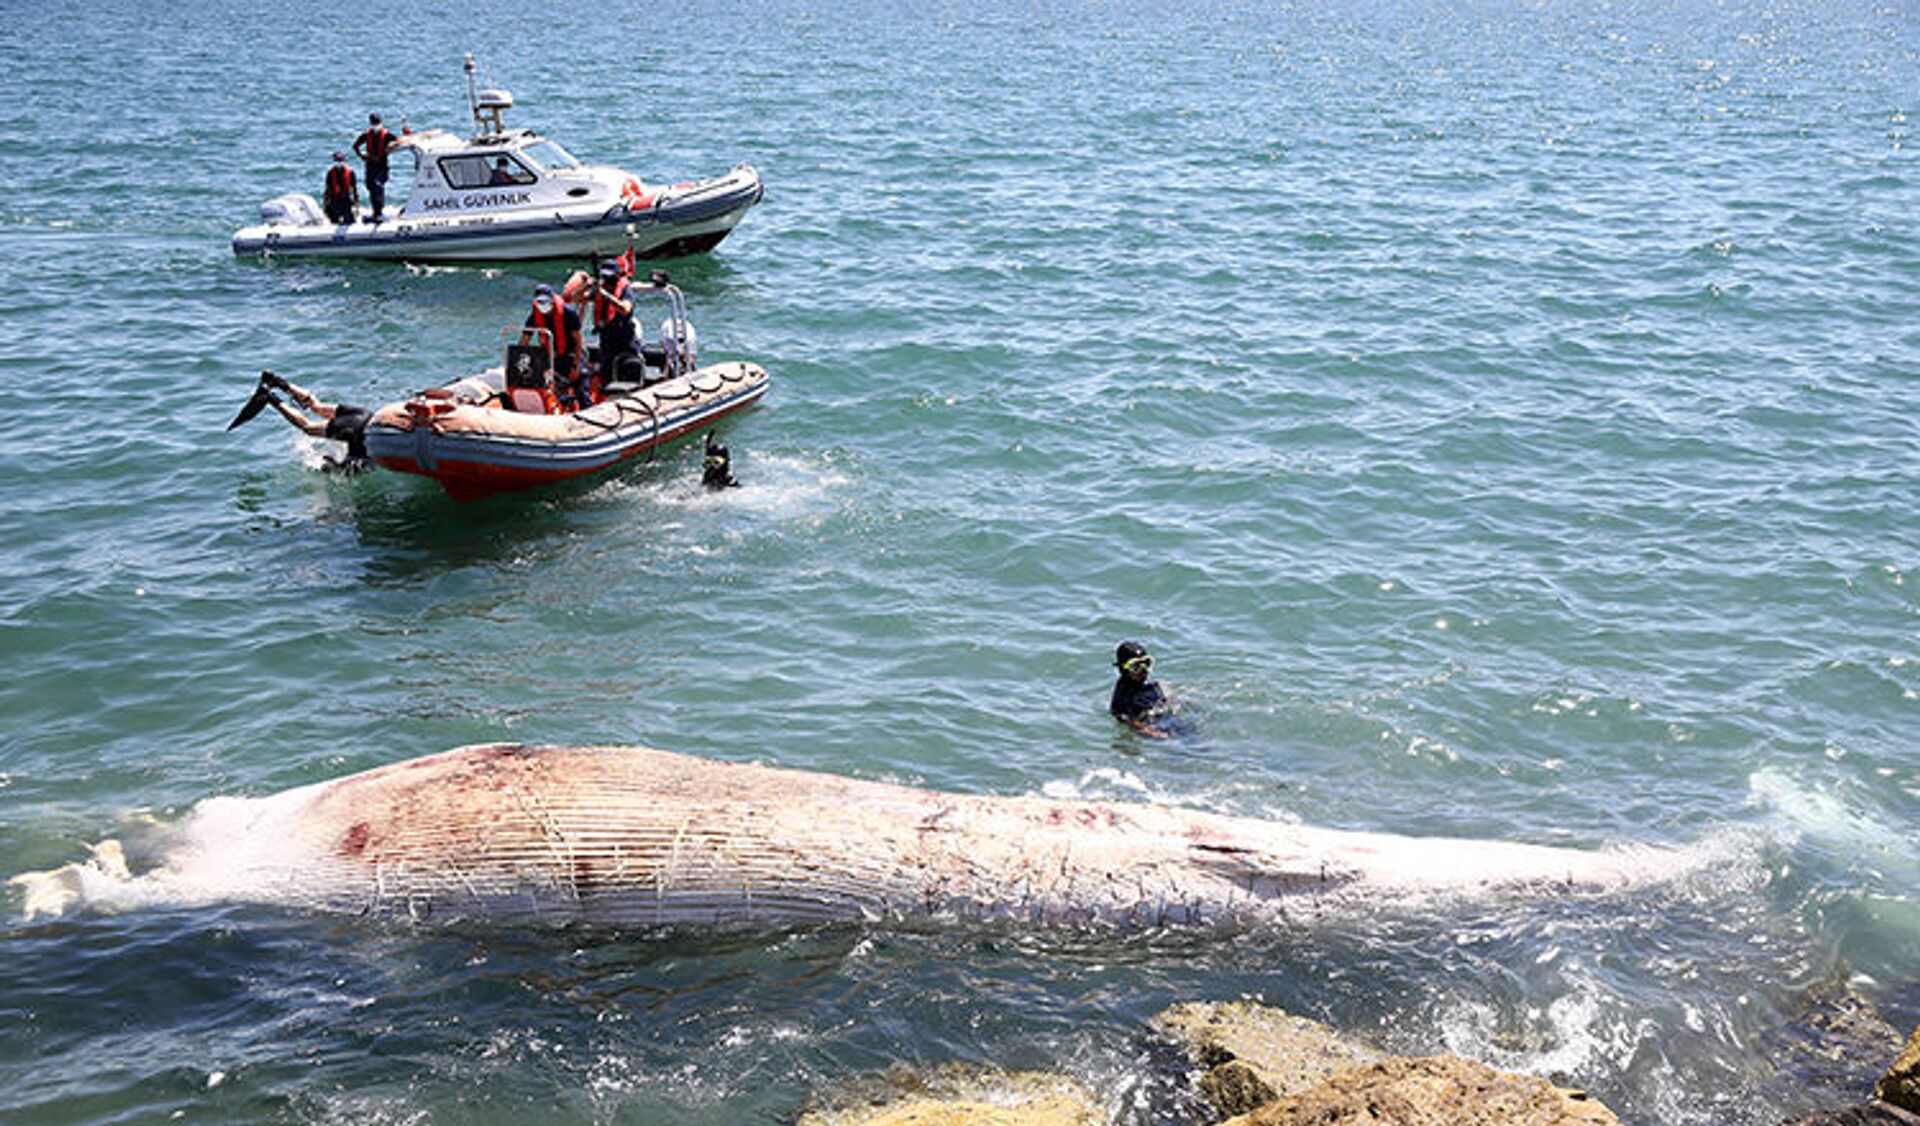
{"points": [[342, 196], [554, 324], [373, 146], [613, 322]]}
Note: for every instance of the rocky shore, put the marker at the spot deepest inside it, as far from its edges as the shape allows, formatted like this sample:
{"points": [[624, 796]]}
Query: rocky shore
{"points": [[1896, 1097], [1258, 1066], [1264, 1067]]}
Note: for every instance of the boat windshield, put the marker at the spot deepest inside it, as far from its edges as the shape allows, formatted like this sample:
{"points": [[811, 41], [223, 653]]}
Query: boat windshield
{"points": [[549, 155]]}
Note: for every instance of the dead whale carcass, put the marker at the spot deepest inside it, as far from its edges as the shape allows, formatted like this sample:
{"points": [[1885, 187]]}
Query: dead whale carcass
{"points": [[633, 837]]}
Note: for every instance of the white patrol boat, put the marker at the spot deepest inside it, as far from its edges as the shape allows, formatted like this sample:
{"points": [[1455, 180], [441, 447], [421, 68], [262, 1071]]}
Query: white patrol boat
{"points": [[510, 194]]}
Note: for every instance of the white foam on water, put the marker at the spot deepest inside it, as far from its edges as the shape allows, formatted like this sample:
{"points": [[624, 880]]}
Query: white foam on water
{"points": [[1099, 784], [776, 485], [1577, 1032], [312, 452], [1728, 862], [434, 269], [1108, 783], [1824, 818]]}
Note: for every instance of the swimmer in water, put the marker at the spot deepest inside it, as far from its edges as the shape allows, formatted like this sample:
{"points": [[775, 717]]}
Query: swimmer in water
{"points": [[1137, 701], [342, 422], [717, 468]]}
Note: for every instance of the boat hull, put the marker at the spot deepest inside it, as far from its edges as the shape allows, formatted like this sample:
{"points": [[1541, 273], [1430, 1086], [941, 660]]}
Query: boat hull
{"points": [[478, 451], [676, 222]]}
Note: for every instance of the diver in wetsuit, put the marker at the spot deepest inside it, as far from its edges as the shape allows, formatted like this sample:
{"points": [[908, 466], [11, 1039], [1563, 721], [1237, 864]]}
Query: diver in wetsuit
{"points": [[1137, 701], [341, 422], [717, 466]]}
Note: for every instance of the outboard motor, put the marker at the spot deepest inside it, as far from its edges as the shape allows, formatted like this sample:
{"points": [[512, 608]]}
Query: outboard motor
{"points": [[686, 351], [295, 209]]}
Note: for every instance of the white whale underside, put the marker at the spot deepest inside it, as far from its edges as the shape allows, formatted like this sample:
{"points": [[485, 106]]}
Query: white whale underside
{"points": [[632, 837]]}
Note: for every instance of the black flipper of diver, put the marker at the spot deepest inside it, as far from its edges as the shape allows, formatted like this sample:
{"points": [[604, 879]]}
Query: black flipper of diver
{"points": [[262, 395]]}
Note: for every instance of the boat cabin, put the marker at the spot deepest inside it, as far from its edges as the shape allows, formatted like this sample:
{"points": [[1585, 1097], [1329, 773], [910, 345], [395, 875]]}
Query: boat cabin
{"points": [[502, 171]]}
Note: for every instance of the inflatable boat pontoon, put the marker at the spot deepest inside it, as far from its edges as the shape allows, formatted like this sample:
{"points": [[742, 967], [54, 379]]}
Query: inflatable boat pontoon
{"points": [[495, 432]]}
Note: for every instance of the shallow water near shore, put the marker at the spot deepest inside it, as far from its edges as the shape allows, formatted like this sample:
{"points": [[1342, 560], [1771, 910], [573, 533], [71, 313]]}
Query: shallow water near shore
{"points": [[1499, 423]]}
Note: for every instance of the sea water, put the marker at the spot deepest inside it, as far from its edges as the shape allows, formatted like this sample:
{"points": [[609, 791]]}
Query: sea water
{"points": [[1498, 419]]}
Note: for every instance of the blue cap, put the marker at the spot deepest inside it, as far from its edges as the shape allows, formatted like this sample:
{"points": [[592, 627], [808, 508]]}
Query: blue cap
{"points": [[339, 154], [543, 289]]}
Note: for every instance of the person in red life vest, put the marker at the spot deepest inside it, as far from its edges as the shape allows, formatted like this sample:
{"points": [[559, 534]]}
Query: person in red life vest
{"points": [[555, 325], [342, 195], [613, 324], [374, 146]]}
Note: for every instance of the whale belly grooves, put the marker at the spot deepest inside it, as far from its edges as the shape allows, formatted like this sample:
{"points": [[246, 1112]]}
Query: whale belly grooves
{"points": [[635, 837]]}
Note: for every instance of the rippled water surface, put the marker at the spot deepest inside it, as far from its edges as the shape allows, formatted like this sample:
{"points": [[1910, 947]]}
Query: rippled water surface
{"points": [[1499, 420]]}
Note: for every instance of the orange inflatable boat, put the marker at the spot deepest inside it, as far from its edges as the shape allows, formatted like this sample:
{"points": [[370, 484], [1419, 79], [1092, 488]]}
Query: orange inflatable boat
{"points": [[462, 436], [498, 431]]}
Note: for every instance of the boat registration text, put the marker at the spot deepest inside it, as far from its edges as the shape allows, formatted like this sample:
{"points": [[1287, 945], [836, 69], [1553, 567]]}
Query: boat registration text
{"points": [[476, 199]]}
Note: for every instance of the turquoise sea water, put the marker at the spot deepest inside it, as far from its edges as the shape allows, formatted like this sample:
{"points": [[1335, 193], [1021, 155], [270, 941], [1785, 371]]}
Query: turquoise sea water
{"points": [[1499, 420]]}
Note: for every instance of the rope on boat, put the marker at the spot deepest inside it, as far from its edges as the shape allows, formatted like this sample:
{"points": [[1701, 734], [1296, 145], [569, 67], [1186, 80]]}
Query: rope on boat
{"points": [[653, 443], [588, 224]]}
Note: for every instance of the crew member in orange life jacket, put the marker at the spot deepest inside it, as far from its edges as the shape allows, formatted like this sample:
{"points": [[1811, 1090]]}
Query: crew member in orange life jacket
{"points": [[342, 197], [613, 323], [562, 335], [373, 147]]}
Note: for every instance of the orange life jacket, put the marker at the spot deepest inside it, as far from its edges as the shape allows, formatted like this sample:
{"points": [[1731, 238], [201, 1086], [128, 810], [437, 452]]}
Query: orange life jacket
{"points": [[605, 310], [555, 322], [379, 144], [339, 182]]}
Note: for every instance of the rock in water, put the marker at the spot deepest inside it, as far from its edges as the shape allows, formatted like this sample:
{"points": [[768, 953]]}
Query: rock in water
{"points": [[1253, 1054], [1875, 1113], [1433, 1091], [1302, 1073], [1896, 1097], [956, 1095], [1901, 1084]]}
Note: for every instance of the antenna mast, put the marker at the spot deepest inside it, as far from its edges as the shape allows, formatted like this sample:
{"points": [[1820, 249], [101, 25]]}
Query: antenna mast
{"points": [[489, 106], [473, 99]]}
